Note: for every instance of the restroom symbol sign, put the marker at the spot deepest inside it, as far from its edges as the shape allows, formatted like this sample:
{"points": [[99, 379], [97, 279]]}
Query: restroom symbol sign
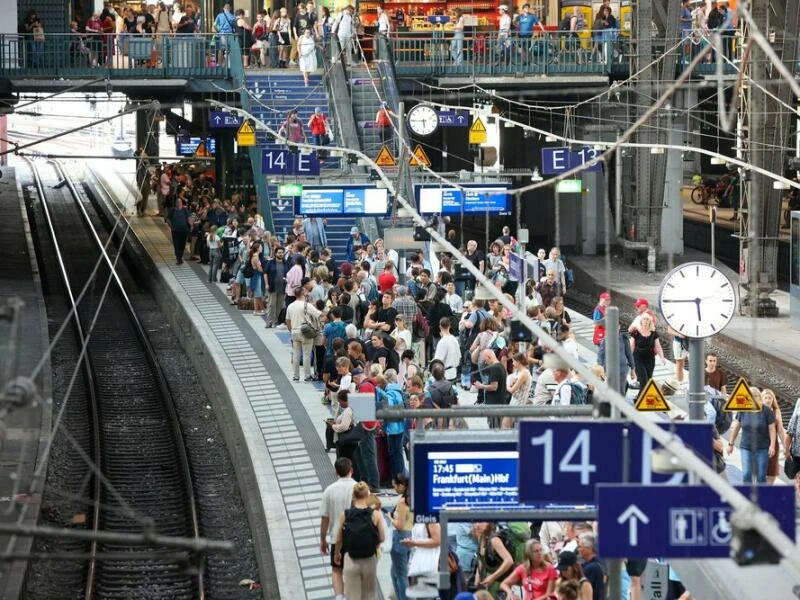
{"points": [[688, 526]]}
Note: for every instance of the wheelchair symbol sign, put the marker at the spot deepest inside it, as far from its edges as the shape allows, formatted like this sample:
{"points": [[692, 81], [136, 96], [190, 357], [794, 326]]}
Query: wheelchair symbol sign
{"points": [[721, 531]]}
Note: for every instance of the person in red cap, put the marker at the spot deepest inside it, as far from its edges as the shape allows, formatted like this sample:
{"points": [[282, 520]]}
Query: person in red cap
{"points": [[599, 318], [642, 306]]}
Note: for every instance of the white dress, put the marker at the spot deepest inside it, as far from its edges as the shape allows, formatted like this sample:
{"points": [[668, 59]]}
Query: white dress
{"points": [[306, 48]]}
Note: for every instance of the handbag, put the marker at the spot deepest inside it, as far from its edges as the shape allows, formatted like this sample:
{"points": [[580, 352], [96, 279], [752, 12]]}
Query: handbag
{"points": [[790, 467], [353, 435]]}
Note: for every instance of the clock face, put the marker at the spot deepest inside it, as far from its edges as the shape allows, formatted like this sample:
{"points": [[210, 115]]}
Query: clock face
{"points": [[697, 300], [423, 120]]}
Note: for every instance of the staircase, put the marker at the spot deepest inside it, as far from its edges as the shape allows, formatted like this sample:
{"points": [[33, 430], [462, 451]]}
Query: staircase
{"points": [[271, 96], [366, 103]]}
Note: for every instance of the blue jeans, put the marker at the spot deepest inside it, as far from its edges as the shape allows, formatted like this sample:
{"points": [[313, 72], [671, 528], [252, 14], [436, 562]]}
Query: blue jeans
{"points": [[399, 571], [215, 257], [397, 462], [759, 458], [368, 461]]}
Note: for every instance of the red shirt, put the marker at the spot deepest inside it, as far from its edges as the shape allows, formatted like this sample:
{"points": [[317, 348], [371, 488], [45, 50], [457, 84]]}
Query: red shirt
{"points": [[367, 387], [317, 125], [386, 281], [534, 583]]}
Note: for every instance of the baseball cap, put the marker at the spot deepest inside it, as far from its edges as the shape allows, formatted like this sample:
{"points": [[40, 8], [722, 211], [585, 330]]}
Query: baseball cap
{"points": [[641, 302], [353, 230], [566, 559], [465, 596], [605, 296], [357, 371]]}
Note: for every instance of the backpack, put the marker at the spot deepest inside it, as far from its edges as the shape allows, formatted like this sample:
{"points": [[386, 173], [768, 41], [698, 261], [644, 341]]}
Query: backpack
{"points": [[723, 420], [481, 315], [420, 329], [514, 536], [565, 24], [360, 536], [580, 393], [443, 398]]}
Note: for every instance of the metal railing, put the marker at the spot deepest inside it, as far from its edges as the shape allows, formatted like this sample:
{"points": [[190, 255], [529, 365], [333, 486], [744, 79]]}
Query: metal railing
{"points": [[438, 52], [117, 56]]}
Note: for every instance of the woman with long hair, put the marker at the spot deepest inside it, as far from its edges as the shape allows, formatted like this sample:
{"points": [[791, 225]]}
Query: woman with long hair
{"points": [[494, 560], [571, 575], [257, 279], [536, 576], [768, 399], [518, 385], [645, 346], [402, 524]]}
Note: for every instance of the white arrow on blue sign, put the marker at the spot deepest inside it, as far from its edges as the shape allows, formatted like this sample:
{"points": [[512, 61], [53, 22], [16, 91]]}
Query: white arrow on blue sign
{"points": [[224, 120], [644, 521], [451, 118]]}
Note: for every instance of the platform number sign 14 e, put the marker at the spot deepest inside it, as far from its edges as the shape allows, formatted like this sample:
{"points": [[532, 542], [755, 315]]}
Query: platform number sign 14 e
{"points": [[562, 462]]}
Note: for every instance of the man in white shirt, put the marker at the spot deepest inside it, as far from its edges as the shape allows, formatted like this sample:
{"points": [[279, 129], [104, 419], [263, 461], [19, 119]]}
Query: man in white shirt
{"points": [[555, 264], [299, 312], [448, 351], [336, 498], [343, 28], [383, 22], [453, 300]]}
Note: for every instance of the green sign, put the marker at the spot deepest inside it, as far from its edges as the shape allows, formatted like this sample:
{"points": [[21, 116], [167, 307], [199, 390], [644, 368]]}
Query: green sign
{"points": [[290, 190], [569, 186]]}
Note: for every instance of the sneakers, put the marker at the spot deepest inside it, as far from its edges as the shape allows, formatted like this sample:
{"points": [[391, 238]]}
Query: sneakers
{"points": [[295, 379], [308, 379], [281, 326], [326, 401]]}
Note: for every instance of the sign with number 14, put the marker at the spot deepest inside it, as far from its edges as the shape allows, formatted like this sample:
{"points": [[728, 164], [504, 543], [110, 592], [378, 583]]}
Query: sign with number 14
{"points": [[563, 461]]}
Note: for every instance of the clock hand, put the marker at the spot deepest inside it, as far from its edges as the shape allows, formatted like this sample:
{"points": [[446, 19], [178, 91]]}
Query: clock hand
{"points": [[680, 300], [699, 318]]}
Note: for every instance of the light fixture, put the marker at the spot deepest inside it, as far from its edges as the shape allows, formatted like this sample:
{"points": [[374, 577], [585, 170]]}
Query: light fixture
{"points": [[663, 461], [550, 138], [717, 160], [656, 150], [508, 124], [536, 177], [780, 185]]}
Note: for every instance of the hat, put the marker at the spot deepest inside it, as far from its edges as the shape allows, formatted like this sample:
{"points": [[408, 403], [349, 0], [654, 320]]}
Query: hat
{"points": [[670, 385], [605, 296], [503, 7], [357, 371], [554, 361], [353, 230], [566, 559], [318, 110], [465, 596], [641, 302]]}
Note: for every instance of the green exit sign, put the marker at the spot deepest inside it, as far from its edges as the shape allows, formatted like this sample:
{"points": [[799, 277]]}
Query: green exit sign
{"points": [[290, 190], [569, 186]]}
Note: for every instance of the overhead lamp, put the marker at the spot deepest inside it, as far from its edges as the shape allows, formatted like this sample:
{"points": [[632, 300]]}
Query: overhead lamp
{"points": [[550, 138], [717, 160], [536, 177], [656, 150], [508, 124], [780, 185], [664, 462]]}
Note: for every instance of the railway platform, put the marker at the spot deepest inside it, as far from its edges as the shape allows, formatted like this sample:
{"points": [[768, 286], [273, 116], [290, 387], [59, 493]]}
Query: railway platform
{"points": [[24, 338], [282, 459]]}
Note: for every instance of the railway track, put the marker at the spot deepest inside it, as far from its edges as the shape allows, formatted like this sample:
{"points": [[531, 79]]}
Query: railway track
{"points": [[141, 480]]}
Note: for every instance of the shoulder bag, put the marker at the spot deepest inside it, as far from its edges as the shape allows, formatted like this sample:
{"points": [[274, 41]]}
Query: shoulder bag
{"points": [[308, 329]]}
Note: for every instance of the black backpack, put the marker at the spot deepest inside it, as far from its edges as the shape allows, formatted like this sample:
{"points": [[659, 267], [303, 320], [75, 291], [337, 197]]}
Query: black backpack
{"points": [[442, 394], [723, 420], [360, 536]]}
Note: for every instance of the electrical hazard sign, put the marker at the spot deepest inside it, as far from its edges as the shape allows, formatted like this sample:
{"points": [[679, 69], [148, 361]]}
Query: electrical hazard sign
{"points": [[246, 135], [477, 132], [741, 399], [385, 158], [651, 399]]}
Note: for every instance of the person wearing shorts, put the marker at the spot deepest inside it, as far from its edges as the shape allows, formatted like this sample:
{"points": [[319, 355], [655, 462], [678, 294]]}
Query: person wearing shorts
{"points": [[680, 353]]}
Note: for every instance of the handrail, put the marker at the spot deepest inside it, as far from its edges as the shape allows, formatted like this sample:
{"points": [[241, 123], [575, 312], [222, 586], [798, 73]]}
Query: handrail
{"points": [[164, 55]]}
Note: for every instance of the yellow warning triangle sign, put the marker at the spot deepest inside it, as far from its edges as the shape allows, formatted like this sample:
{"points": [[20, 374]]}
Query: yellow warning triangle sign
{"points": [[741, 399], [246, 129], [201, 150], [385, 158], [419, 158], [651, 399], [478, 126]]}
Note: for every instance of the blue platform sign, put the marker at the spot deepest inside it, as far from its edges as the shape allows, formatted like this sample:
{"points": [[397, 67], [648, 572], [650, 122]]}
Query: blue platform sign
{"points": [[348, 200], [276, 161], [220, 119], [559, 160], [451, 118], [474, 198], [562, 461], [678, 522], [187, 146]]}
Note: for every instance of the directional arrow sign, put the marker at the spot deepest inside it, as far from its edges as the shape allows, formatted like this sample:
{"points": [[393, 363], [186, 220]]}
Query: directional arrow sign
{"points": [[633, 515], [220, 119], [687, 521]]}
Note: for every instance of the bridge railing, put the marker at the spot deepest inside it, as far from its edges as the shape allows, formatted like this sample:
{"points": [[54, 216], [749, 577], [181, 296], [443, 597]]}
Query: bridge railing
{"points": [[117, 56], [436, 52]]}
